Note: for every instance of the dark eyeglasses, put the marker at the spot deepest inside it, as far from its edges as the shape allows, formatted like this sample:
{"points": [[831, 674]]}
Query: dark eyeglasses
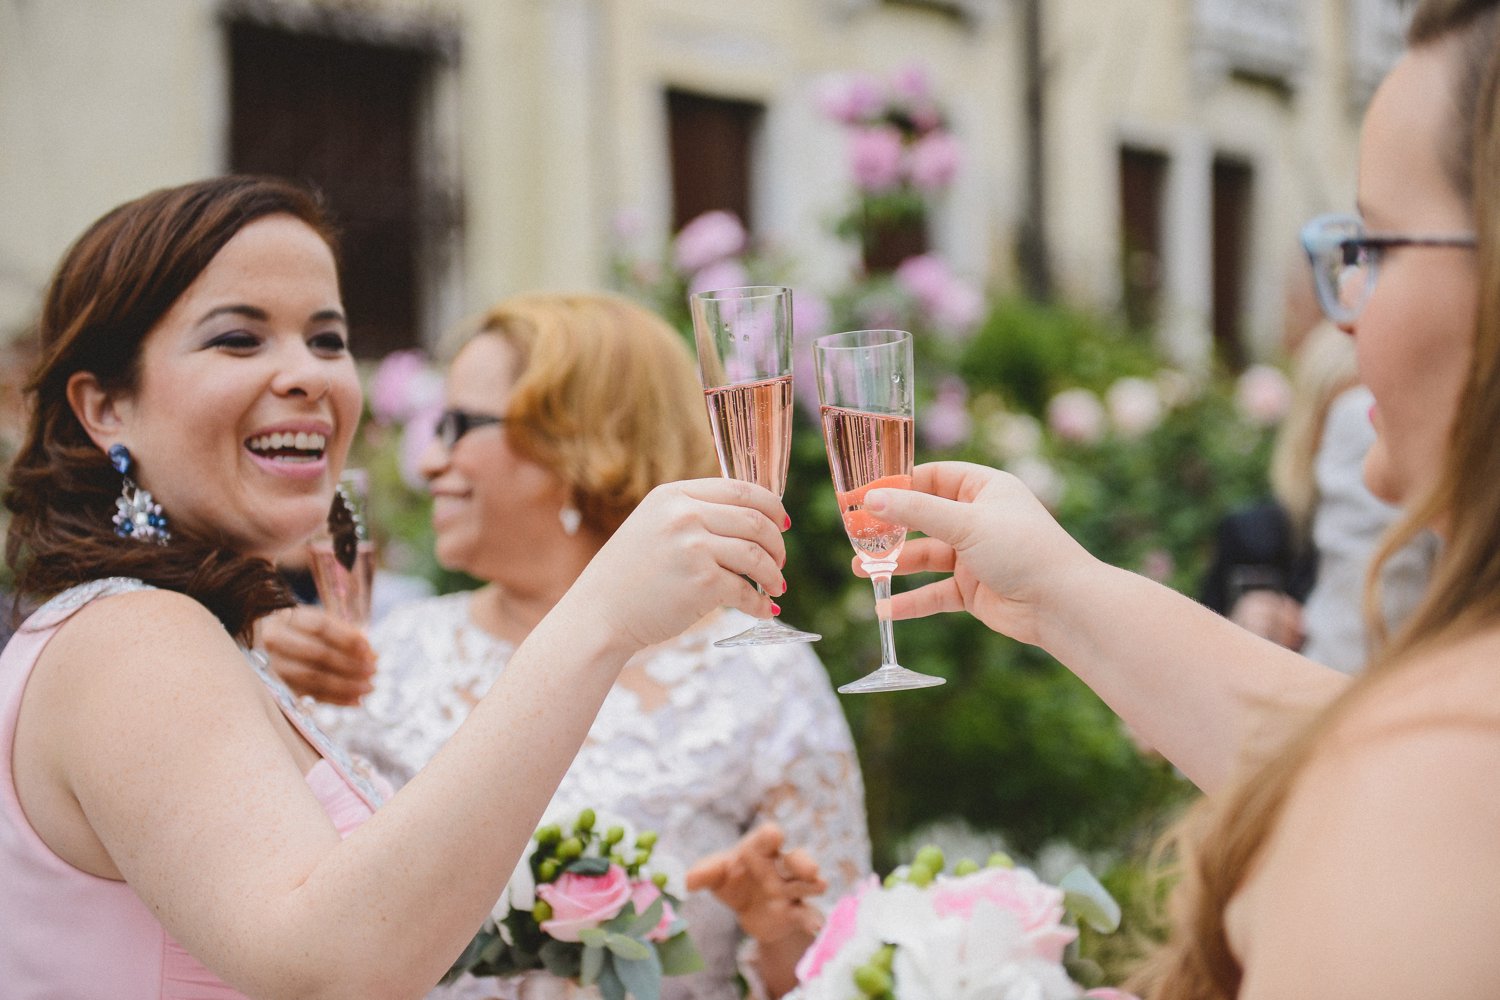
{"points": [[1345, 260], [454, 424]]}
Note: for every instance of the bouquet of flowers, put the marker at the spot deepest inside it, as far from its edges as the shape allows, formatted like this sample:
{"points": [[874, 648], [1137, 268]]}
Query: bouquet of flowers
{"points": [[993, 933], [581, 906]]}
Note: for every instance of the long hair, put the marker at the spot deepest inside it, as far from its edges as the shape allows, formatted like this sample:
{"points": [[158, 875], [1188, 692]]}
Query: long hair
{"points": [[109, 291], [1221, 840], [606, 397]]}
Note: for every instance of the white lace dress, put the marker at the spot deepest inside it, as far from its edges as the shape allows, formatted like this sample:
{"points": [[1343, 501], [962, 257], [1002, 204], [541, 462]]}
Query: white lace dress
{"points": [[732, 738]]}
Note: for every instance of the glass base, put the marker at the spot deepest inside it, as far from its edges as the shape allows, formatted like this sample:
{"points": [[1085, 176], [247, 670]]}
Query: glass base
{"points": [[891, 677], [767, 633]]}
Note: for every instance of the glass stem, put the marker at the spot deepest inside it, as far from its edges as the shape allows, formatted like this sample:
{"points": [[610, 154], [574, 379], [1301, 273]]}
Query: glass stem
{"points": [[882, 582]]}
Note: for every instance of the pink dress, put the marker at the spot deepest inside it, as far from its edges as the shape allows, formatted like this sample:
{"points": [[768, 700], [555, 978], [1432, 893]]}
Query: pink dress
{"points": [[66, 933]]}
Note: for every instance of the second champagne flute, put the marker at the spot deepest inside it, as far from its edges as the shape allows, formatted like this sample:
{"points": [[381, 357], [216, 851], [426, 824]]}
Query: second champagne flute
{"points": [[744, 340], [865, 386]]}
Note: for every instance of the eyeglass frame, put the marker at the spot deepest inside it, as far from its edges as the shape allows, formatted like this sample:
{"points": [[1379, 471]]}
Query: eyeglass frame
{"points": [[1327, 289], [454, 423]]}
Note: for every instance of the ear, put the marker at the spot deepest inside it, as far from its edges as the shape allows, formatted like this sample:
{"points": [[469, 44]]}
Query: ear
{"points": [[102, 414]]}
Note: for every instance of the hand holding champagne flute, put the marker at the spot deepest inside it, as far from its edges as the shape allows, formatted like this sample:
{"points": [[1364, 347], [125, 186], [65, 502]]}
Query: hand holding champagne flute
{"points": [[865, 385], [744, 338]]}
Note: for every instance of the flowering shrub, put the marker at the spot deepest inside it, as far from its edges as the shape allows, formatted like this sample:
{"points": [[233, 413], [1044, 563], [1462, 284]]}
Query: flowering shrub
{"points": [[993, 933], [581, 906]]}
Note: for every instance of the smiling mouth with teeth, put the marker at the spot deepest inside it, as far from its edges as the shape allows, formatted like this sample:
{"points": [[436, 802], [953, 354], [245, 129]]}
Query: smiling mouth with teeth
{"points": [[288, 447]]}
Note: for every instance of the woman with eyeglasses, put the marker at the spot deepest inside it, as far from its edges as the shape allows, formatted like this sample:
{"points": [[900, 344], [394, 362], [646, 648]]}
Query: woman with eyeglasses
{"points": [[563, 412], [1349, 846]]}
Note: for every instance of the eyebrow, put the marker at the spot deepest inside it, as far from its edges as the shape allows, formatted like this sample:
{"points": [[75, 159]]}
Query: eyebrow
{"points": [[261, 316]]}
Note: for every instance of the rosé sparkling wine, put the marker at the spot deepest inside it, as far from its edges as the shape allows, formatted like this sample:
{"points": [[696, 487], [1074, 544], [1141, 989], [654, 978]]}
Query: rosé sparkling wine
{"points": [[752, 425], [868, 451], [345, 593]]}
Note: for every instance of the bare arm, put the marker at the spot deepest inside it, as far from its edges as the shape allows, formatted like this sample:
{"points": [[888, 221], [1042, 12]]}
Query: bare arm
{"points": [[191, 788], [1190, 683]]}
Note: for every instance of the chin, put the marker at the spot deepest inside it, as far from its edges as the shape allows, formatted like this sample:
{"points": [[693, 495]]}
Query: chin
{"points": [[1380, 479]]}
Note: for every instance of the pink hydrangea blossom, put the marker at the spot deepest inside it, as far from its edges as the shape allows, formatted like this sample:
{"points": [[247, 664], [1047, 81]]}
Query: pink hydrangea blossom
{"points": [[720, 274], [643, 894], [842, 921], [711, 237], [1038, 907], [925, 277], [935, 159], [850, 99], [1076, 415], [403, 384], [1263, 395], [581, 902], [876, 158], [912, 85], [1158, 565], [957, 314], [416, 438], [946, 423]]}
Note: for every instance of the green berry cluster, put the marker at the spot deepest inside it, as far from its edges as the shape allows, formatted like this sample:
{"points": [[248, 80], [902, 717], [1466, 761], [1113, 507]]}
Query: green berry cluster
{"points": [[584, 849]]}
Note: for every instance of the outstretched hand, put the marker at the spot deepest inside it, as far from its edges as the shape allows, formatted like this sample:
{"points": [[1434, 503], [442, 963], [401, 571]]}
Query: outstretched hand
{"points": [[1006, 555], [766, 889]]}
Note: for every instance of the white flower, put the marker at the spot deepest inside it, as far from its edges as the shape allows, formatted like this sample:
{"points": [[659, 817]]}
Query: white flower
{"points": [[1013, 436], [1076, 415], [1039, 477], [1134, 406], [1263, 395]]}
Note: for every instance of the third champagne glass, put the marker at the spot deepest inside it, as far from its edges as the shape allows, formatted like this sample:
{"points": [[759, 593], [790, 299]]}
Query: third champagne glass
{"points": [[865, 385], [745, 359]]}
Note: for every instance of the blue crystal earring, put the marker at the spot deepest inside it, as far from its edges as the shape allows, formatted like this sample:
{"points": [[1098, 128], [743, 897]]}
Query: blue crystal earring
{"points": [[137, 515]]}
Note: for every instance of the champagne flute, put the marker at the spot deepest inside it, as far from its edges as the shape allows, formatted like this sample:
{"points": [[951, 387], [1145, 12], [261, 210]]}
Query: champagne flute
{"points": [[342, 557], [865, 386], [744, 340]]}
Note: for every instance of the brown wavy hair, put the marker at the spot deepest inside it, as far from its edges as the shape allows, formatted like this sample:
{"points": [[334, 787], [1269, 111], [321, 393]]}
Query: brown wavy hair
{"points": [[1221, 840], [606, 397], [109, 291]]}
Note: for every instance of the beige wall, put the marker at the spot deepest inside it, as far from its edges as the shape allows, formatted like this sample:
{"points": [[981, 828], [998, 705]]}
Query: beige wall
{"points": [[551, 121]]}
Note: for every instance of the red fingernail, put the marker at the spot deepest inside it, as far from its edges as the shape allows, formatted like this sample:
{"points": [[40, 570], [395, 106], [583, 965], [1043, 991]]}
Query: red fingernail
{"points": [[775, 608], [787, 524]]}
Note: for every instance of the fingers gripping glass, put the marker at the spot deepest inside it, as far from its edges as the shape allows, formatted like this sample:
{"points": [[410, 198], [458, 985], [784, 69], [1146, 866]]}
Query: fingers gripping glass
{"points": [[1345, 260], [454, 424]]}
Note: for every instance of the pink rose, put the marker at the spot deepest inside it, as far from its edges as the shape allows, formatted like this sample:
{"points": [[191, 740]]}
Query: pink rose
{"points": [[836, 932], [1109, 993], [875, 158], [1076, 415], [710, 237], [643, 894], [1263, 395], [1037, 907], [580, 902], [935, 160]]}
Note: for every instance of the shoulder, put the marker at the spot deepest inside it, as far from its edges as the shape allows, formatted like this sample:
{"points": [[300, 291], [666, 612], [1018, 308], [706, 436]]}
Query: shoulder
{"points": [[1382, 874]]}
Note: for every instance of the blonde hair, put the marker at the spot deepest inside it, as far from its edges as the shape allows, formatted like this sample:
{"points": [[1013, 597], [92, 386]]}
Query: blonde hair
{"points": [[1323, 368], [1222, 840], [606, 397]]}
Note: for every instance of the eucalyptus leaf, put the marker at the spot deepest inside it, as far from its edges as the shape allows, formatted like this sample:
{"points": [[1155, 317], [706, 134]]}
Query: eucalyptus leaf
{"points": [[593, 936], [611, 987], [647, 921], [641, 977], [1087, 900], [629, 948], [588, 866], [679, 956], [621, 921], [593, 964]]}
